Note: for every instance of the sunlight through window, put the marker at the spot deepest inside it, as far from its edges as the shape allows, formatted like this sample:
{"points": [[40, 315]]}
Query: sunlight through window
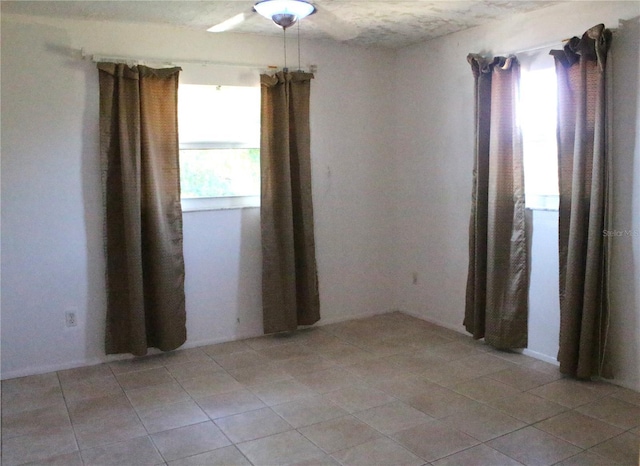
{"points": [[219, 130], [537, 116]]}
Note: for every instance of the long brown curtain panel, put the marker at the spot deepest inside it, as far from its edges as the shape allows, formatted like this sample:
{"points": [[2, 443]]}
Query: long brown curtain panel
{"points": [[583, 180], [498, 277], [143, 223], [290, 294]]}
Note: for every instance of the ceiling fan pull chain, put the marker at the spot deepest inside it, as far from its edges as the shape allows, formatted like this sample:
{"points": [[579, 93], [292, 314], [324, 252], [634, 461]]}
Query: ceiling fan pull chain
{"points": [[284, 42], [299, 66]]}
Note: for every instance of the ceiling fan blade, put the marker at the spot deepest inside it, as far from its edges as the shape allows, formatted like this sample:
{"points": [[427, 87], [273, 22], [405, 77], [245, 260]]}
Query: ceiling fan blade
{"points": [[232, 22], [332, 25]]}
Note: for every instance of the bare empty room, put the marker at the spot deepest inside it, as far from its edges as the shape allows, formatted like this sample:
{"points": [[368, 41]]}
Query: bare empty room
{"points": [[393, 192]]}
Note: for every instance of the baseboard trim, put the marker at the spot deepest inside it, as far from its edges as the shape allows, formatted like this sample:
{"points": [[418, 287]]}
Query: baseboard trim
{"points": [[12, 374], [50, 368], [461, 329], [540, 356], [456, 328], [335, 320], [114, 357]]}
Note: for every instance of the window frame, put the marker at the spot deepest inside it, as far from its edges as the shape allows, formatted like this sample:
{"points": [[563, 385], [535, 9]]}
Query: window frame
{"points": [[200, 204]]}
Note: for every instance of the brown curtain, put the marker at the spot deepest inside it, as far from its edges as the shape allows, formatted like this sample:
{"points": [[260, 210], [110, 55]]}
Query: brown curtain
{"points": [[289, 278], [143, 226], [498, 278], [582, 165]]}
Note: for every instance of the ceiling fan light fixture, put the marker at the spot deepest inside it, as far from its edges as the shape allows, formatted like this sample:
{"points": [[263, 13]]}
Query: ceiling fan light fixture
{"points": [[284, 12]]}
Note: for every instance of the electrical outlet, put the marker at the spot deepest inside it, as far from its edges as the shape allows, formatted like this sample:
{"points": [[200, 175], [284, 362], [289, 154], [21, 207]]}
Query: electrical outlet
{"points": [[70, 319]]}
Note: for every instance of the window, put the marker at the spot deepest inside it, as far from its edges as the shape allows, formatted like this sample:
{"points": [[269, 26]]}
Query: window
{"points": [[538, 115], [219, 131]]}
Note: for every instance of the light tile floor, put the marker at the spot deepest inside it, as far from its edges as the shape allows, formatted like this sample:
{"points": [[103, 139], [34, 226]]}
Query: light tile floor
{"points": [[385, 390]]}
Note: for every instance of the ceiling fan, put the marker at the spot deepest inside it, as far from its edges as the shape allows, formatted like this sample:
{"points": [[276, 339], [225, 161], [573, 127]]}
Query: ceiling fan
{"points": [[286, 13]]}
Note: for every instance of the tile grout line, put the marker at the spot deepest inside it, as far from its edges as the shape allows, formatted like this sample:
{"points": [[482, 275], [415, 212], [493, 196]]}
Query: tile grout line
{"points": [[66, 405], [379, 357]]}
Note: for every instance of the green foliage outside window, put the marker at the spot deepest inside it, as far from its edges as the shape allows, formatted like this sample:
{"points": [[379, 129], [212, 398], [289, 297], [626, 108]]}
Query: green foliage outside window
{"points": [[219, 172]]}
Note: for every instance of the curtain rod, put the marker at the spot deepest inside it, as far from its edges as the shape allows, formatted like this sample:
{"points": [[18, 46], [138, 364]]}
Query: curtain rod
{"points": [[548, 45], [168, 61], [173, 61]]}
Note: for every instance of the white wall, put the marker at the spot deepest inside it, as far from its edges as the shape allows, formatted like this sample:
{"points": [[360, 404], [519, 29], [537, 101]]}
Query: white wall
{"points": [[544, 292], [434, 121], [624, 340], [51, 199]]}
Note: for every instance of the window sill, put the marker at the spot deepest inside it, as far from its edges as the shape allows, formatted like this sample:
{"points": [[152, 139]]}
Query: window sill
{"points": [[549, 202], [219, 203]]}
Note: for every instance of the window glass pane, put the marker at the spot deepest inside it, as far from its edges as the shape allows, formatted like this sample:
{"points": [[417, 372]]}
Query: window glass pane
{"points": [[537, 117], [219, 114], [219, 130], [219, 172]]}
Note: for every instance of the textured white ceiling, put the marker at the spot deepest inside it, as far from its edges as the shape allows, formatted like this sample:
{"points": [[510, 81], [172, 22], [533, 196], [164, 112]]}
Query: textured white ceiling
{"points": [[362, 22]]}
